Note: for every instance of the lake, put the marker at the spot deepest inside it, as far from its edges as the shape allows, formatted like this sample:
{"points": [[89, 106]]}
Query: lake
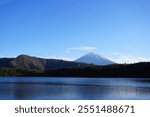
{"points": [[54, 88]]}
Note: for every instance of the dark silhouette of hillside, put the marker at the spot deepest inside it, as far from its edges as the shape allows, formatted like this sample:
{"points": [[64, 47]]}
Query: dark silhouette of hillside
{"points": [[141, 70], [138, 70], [5, 62]]}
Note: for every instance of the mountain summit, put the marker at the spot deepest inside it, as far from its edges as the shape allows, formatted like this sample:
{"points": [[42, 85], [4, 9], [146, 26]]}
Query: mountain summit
{"points": [[93, 58]]}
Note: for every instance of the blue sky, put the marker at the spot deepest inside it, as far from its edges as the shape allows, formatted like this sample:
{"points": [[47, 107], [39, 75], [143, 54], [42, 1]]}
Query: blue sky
{"points": [[67, 29]]}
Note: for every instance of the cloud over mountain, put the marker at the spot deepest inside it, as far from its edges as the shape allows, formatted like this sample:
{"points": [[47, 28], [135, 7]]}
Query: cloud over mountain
{"points": [[82, 48]]}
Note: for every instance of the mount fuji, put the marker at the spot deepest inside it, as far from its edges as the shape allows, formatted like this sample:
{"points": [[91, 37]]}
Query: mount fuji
{"points": [[93, 58]]}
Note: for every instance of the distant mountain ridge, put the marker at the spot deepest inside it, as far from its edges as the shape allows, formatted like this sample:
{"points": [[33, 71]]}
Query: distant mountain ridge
{"points": [[93, 58], [25, 65], [29, 62]]}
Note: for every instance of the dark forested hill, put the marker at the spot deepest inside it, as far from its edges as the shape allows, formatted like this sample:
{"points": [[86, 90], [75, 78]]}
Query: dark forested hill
{"points": [[141, 70], [5, 62]]}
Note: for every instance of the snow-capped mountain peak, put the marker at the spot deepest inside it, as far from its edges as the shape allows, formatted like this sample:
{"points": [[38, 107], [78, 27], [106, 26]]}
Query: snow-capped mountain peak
{"points": [[93, 58]]}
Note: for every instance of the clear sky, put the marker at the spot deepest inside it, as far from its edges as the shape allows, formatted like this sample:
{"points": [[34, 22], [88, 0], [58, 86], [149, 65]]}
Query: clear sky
{"points": [[68, 29]]}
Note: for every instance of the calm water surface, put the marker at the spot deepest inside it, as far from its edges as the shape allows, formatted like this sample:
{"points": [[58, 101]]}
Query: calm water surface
{"points": [[50, 88]]}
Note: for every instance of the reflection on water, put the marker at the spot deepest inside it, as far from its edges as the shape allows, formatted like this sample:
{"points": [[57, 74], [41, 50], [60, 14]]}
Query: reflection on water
{"points": [[42, 88]]}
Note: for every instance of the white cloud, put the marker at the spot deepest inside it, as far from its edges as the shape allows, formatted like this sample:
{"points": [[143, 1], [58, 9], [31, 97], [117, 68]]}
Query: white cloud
{"points": [[131, 59], [67, 51], [57, 57], [82, 48], [118, 58], [64, 58], [115, 53]]}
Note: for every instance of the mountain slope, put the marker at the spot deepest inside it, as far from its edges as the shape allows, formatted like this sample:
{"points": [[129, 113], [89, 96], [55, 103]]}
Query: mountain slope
{"points": [[92, 58], [29, 62]]}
